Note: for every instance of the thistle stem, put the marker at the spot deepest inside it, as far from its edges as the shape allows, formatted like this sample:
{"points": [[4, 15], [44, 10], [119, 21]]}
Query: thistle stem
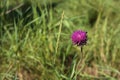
{"points": [[81, 49], [80, 64]]}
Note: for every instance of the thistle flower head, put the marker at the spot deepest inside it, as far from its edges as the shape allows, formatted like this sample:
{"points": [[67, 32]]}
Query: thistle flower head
{"points": [[79, 37]]}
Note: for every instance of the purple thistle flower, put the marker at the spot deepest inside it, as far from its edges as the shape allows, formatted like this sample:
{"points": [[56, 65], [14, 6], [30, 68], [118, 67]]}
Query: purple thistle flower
{"points": [[79, 37]]}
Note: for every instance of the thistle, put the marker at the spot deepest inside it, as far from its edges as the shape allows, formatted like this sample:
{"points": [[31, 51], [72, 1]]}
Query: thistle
{"points": [[79, 37]]}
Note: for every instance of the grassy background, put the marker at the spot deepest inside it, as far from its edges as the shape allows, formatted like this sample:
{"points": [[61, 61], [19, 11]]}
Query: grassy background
{"points": [[35, 39]]}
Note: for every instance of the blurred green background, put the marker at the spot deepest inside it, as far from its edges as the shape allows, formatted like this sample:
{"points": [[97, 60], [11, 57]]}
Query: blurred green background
{"points": [[35, 40]]}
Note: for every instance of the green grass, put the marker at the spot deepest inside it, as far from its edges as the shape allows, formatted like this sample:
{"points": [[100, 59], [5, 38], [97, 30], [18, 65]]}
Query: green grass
{"points": [[35, 39]]}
